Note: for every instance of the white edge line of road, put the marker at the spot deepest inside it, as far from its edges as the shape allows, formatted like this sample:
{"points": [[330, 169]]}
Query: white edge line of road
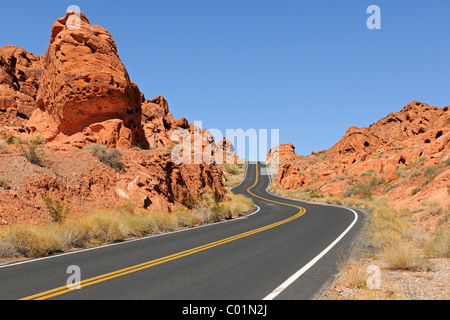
{"points": [[245, 176], [134, 240], [310, 264]]}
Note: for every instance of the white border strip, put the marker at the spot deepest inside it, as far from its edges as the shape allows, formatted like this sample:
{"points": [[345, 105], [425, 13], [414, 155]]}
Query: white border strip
{"points": [[308, 266]]}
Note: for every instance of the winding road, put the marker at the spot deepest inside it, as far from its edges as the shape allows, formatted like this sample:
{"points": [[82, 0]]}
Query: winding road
{"points": [[286, 250]]}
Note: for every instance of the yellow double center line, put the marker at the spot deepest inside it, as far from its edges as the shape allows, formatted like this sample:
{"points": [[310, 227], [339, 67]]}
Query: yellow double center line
{"points": [[89, 282]]}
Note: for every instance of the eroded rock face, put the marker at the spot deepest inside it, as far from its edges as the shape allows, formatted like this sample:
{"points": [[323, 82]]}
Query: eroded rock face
{"points": [[151, 181], [390, 156], [281, 154], [84, 82], [20, 72], [159, 124], [81, 94]]}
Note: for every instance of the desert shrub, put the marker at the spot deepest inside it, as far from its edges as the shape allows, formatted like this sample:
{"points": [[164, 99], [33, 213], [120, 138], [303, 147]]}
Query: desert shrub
{"points": [[368, 173], [388, 187], [31, 151], [110, 157], [186, 218], [438, 245], [3, 147], [361, 190], [231, 169], [402, 171], [357, 277], [10, 139], [402, 256], [386, 227], [76, 233], [203, 213], [430, 173], [415, 172], [238, 205], [315, 193], [56, 209], [416, 190], [4, 184], [231, 181], [375, 182], [34, 241], [446, 163], [434, 207], [108, 226]]}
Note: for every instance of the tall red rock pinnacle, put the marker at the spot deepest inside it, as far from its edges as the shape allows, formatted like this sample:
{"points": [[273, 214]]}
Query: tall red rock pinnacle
{"points": [[85, 88]]}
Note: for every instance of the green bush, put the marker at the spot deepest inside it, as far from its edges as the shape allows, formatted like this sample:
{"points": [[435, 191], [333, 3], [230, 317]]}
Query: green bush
{"points": [[110, 157], [56, 209], [31, 152], [430, 172], [375, 182]]}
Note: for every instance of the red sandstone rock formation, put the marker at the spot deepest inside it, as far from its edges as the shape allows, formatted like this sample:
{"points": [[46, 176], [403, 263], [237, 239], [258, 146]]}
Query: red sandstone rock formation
{"points": [[282, 153], [81, 94], [406, 152], [84, 86], [19, 83]]}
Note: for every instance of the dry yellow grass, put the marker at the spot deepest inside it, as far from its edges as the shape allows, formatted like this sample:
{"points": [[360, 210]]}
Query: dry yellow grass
{"points": [[398, 239], [103, 226]]}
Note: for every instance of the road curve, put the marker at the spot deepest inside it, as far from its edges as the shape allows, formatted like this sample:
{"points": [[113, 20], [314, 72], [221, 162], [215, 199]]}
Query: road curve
{"points": [[287, 250]]}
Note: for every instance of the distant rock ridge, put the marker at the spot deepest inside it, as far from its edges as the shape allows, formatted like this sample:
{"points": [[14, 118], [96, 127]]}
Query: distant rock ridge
{"points": [[396, 150]]}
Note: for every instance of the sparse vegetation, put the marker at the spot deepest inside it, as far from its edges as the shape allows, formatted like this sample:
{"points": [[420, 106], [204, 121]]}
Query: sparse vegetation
{"points": [[234, 171], [446, 163], [110, 157], [11, 139], [3, 147], [4, 184], [415, 173], [369, 173], [56, 209], [416, 190], [31, 149], [400, 243], [402, 171], [430, 172], [438, 245], [360, 190], [108, 226]]}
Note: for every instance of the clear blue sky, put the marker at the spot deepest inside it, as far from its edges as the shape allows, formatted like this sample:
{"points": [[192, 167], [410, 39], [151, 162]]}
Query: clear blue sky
{"points": [[311, 69]]}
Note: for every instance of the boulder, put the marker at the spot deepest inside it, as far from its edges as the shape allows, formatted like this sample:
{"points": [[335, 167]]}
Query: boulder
{"points": [[84, 82]]}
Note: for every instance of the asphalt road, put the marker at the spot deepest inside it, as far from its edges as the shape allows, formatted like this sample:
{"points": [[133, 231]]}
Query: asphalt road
{"points": [[287, 250]]}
